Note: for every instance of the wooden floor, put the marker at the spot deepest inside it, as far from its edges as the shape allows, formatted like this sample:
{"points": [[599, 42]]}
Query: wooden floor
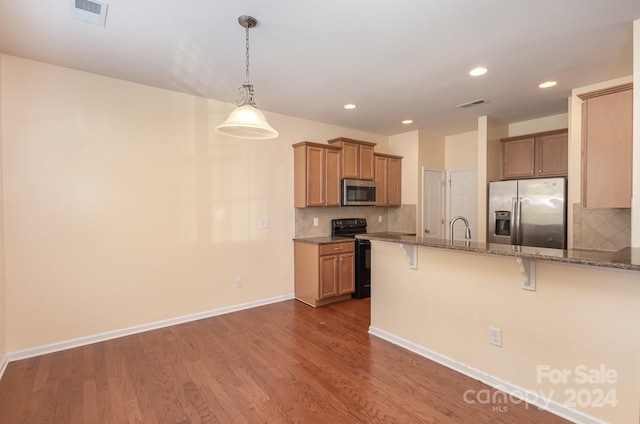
{"points": [[281, 363]]}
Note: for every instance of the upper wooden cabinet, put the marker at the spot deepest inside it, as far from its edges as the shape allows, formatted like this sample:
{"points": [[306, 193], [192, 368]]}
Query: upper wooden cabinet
{"points": [[356, 159], [552, 153], [535, 155], [607, 140], [316, 175], [388, 175]]}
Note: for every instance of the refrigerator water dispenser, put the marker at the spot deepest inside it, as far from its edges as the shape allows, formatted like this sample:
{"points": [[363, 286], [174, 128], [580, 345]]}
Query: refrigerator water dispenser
{"points": [[503, 223]]}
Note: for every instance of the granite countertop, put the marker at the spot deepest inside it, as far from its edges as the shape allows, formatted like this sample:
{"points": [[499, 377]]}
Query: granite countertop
{"points": [[628, 258], [323, 240]]}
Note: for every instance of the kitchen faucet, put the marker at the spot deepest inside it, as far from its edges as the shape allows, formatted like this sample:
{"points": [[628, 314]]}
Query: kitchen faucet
{"points": [[467, 233]]}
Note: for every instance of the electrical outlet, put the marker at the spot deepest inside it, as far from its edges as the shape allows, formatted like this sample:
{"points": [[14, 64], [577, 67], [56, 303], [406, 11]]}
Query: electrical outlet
{"points": [[264, 223], [315, 222], [495, 336], [379, 218], [238, 282]]}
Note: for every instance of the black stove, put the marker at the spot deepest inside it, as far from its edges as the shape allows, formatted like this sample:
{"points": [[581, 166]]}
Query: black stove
{"points": [[350, 227]]}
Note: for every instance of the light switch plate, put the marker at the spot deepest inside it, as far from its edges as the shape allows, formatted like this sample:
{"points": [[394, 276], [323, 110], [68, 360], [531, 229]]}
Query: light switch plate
{"points": [[264, 223], [495, 336]]}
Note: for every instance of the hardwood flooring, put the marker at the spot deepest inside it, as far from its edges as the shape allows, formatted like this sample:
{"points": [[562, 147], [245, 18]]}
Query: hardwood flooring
{"points": [[280, 363]]}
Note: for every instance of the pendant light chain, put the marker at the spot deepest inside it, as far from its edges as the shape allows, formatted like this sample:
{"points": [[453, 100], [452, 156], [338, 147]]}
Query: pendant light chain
{"points": [[246, 75], [246, 90]]}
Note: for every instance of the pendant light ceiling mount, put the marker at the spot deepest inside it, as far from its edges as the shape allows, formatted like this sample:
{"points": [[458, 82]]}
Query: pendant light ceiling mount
{"points": [[247, 121], [247, 21]]}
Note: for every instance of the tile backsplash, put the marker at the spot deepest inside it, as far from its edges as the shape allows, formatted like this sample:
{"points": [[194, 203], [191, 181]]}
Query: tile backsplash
{"points": [[601, 229], [401, 219]]}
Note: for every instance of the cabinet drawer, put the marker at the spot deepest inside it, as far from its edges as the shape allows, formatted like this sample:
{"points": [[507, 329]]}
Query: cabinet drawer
{"points": [[336, 248]]}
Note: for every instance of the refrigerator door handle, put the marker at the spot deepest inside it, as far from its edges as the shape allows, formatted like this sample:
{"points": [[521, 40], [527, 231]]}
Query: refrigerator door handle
{"points": [[515, 230]]}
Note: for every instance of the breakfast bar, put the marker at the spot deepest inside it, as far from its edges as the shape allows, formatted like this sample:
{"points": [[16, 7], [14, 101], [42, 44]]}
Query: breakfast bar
{"points": [[559, 315]]}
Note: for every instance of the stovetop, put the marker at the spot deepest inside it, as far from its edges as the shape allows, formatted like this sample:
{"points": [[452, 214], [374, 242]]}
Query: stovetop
{"points": [[348, 227]]}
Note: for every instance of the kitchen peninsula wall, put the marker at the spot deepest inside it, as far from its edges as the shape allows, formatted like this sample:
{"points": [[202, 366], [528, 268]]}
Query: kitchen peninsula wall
{"points": [[401, 219]]}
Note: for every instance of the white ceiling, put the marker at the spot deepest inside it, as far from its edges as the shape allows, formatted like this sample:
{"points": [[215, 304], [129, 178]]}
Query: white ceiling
{"points": [[401, 59]]}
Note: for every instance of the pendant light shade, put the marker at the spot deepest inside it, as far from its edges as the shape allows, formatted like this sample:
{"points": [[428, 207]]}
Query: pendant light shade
{"points": [[247, 121]]}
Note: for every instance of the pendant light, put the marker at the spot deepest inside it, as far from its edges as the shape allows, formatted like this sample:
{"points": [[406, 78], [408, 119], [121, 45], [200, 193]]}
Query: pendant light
{"points": [[247, 121]]}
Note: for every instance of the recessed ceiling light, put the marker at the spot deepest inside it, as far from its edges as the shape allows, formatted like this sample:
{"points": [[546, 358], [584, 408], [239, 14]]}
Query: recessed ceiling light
{"points": [[350, 106], [407, 121], [476, 72], [548, 84]]}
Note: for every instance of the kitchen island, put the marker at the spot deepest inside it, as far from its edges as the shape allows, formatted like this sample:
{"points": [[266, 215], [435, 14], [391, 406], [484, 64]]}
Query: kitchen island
{"points": [[568, 320]]}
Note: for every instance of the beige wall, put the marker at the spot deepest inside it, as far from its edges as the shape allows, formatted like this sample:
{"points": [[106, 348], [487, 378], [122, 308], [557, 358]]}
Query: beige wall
{"points": [[404, 219], [432, 150], [490, 131], [123, 206], [461, 151], [578, 315], [419, 149], [3, 302], [635, 196], [548, 123], [406, 145], [431, 155]]}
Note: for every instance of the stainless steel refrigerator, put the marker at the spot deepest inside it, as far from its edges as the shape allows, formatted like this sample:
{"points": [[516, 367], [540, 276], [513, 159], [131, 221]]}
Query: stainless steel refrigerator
{"points": [[531, 212]]}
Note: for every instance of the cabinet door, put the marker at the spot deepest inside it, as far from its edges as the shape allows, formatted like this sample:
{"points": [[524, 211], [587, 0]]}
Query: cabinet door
{"points": [[366, 162], [332, 178], [381, 172], [329, 276], [315, 176], [552, 155], [347, 273], [394, 185], [350, 160], [607, 150], [518, 158]]}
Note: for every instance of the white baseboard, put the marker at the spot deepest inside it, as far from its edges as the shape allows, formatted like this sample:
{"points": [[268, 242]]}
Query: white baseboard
{"points": [[83, 341], [529, 396], [3, 365]]}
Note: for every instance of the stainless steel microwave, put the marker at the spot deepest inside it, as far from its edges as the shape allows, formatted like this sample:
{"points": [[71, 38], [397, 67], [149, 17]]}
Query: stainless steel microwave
{"points": [[359, 192]]}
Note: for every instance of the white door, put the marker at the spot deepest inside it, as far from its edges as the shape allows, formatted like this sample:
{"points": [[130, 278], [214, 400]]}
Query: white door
{"points": [[433, 203], [463, 201]]}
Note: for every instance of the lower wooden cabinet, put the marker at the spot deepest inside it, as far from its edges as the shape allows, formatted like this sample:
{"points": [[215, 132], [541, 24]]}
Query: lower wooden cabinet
{"points": [[324, 273]]}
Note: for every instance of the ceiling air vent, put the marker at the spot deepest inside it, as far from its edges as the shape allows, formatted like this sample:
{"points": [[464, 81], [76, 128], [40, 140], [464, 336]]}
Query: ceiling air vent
{"points": [[473, 103], [89, 11]]}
